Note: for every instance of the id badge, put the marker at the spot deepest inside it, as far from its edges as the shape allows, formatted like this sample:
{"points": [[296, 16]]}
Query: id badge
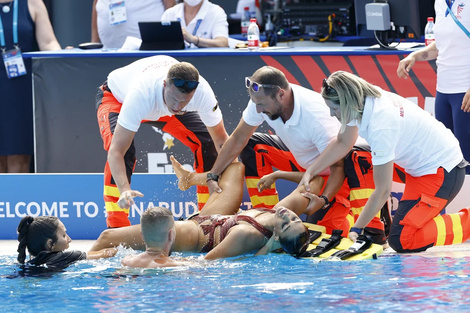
{"points": [[117, 12], [14, 63]]}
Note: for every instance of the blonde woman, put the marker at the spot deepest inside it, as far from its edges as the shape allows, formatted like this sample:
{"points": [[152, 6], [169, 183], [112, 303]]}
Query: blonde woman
{"points": [[401, 135]]}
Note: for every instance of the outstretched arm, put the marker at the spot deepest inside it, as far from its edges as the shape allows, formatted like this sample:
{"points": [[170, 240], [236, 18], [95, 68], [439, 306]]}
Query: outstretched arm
{"points": [[231, 150], [101, 254], [121, 142], [218, 134], [267, 180], [128, 236], [336, 151]]}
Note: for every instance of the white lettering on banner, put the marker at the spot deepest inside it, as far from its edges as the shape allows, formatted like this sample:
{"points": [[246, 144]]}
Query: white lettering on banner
{"points": [[59, 209], [78, 207], [85, 209], [17, 213], [5, 206], [139, 209], [183, 208], [94, 206], [53, 209], [247, 204]]}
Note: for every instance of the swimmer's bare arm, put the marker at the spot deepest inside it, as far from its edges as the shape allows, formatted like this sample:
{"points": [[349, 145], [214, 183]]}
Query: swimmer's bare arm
{"points": [[101, 254], [230, 151], [241, 239], [127, 236], [267, 180], [218, 134]]}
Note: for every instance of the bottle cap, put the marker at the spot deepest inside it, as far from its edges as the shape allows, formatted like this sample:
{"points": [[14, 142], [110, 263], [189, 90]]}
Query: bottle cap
{"points": [[247, 8], [430, 19], [252, 20]]}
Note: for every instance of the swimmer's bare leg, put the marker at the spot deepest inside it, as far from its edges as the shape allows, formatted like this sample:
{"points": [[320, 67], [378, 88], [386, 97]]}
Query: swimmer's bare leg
{"points": [[186, 179], [231, 181]]}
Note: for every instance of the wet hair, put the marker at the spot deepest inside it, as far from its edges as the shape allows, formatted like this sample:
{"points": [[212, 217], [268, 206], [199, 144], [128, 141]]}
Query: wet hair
{"points": [[349, 92], [184, 71], [155, 223], [34, 232], [298, 245], [270, 76]]}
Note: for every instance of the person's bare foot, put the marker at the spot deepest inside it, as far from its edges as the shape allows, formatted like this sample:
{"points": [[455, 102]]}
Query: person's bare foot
{"points": [[182, 174]]}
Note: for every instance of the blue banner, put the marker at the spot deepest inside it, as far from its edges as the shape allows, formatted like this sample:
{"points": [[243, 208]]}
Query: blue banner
{"points": [[77, 199]]}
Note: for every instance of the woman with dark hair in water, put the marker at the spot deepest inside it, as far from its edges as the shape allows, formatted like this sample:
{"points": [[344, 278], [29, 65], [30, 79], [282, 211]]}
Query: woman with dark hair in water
{"points": [[46, 238]]}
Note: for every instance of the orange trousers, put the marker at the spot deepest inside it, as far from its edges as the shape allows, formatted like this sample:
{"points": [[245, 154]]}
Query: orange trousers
{"points": [[264, 152], [187, 128], [418, 224]]}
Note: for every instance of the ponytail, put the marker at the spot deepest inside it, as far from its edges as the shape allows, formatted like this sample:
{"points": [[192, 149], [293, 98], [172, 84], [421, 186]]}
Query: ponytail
{"points": [[23, 229]]}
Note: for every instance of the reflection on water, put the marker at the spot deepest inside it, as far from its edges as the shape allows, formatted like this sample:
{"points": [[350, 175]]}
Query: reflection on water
{"points": [[264, 284]]}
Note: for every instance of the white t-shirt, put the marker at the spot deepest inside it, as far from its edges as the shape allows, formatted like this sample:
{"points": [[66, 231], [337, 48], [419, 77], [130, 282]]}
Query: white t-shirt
{"points": [[113, 36], [210, 22], [139, 87], [453, 62], [308, 131], [399, 130]]}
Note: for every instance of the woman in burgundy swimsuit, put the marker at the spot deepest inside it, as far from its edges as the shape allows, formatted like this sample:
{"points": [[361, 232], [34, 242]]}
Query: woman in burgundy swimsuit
{"points": [[220, 229]]}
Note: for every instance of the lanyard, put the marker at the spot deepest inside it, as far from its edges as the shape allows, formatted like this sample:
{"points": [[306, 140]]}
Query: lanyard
{"points": [[449, 3], [198, 23], [459, 24], [15, 28], [197, 26]]}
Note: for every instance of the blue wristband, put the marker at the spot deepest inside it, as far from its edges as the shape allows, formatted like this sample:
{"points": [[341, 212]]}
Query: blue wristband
{"points": [[356, 230]]}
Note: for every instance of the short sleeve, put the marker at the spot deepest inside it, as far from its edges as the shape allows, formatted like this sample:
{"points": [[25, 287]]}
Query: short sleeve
{"points": [[251, 116]]}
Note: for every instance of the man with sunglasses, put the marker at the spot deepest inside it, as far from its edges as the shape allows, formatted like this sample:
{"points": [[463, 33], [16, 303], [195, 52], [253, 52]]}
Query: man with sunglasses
{"points": [[304, 128], [162, 92]]}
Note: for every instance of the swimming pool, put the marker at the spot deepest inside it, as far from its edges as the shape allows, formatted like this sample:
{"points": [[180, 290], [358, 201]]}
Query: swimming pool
{"points": [[272, 283]]}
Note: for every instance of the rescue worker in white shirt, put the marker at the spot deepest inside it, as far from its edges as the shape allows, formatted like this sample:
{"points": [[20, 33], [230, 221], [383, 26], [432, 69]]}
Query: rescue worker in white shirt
{"points": [[304, 128], [159, 91], [204, 24], [407, 142]]}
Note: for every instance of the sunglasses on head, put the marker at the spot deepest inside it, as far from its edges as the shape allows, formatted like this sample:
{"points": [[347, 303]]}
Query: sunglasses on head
{"points": [[186, 84], [328, 89], [256, 86]]}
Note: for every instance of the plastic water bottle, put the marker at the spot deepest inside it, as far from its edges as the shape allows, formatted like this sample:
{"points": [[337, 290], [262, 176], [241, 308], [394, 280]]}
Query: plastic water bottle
{"points": [[253, 35], [429, 32], [245, 21]]}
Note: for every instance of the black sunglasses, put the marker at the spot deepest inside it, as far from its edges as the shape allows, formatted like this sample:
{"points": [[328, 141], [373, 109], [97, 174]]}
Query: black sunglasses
{"points": [[185, 84], [256, 86], [329, 91]]}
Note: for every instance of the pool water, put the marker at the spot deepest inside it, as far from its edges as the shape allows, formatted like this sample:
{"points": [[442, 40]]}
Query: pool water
{"points": [[272, 283]]}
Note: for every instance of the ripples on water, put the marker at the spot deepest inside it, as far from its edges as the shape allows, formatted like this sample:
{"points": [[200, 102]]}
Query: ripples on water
{"points": [[273, 283]]}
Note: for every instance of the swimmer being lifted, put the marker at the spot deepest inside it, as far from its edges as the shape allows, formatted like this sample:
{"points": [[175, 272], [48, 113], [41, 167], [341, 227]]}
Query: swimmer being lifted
{"points": [[216, 230]]}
